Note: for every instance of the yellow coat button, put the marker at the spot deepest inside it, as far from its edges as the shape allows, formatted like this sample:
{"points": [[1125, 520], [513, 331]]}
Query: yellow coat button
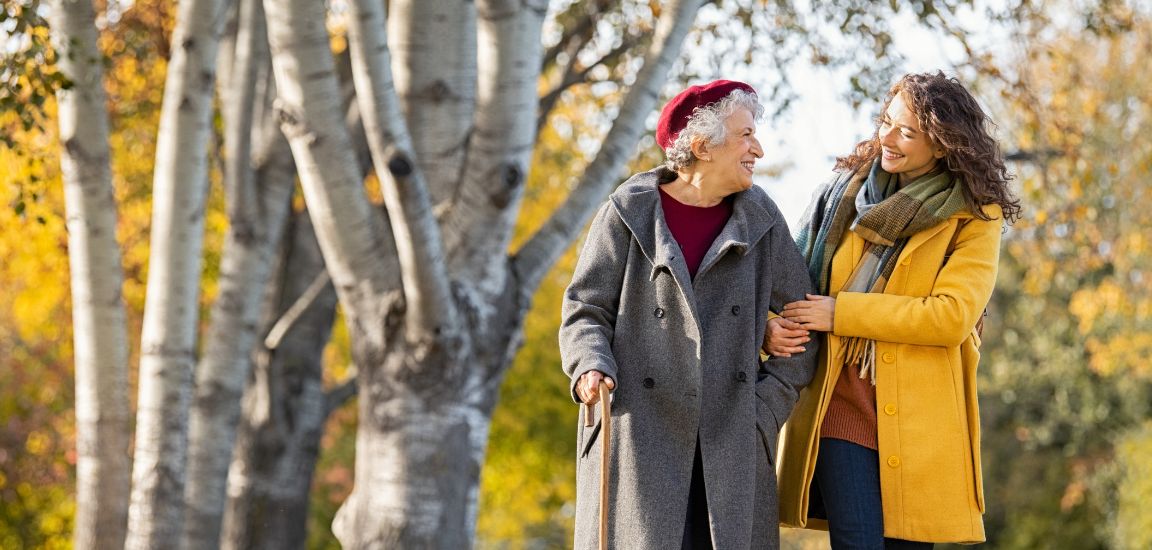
{"points": [[889, 358], [894, 461], [890, 409]]}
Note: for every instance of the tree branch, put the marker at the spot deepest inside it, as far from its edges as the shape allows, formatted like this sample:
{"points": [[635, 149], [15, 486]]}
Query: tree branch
{"points": [[340, 394], [572, 77], [238, 90], [99, 325], [430, 310], [293, 313], [311, 115], [478, 225], [171, 311], [576, 35], [433, 44], [537, 255]]}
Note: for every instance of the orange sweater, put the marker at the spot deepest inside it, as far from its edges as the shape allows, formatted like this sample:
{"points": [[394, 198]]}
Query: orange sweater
{"points": [[851, 412]]}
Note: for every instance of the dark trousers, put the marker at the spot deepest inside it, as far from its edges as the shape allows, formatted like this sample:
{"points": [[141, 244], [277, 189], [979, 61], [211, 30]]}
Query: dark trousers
{"points": [[848, 479], [697, 532]]}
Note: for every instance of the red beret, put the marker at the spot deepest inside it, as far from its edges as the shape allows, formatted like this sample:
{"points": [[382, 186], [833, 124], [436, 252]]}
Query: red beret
{"points": [[676, 113]]}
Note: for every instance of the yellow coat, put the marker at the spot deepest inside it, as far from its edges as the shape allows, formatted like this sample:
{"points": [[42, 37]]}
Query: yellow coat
{"points": [[928, 421]]}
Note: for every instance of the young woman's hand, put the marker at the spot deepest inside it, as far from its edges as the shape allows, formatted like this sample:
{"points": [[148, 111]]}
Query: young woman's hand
{"points": [[814, 313], [782, 337]]}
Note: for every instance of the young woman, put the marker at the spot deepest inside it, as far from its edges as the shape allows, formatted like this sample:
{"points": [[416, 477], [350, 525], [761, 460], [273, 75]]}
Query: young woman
{"points": [[883, 448]]}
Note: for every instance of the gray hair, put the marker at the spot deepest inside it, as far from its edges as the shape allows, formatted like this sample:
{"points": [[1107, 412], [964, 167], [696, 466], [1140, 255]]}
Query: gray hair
{"points": [[708, 122]]}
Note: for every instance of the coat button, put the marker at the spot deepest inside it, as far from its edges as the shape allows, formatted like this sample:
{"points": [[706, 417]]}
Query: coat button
{"points": [[659, 313], [649, 383], [894, 461], [890, 409], [735, 310], [741, 376], [889, 358]]}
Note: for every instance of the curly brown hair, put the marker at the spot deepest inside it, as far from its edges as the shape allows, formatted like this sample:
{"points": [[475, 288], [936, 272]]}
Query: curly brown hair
{"points": [[952, 119]]}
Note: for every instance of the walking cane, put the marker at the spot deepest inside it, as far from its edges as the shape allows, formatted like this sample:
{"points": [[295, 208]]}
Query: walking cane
{"points": [[605, 448]]}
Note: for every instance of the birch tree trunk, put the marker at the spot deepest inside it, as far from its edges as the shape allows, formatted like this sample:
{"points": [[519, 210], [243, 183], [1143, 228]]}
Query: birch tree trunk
{"points": [[285, 407], [171, 312], [430, 361], [257, 210], [99, 326]]}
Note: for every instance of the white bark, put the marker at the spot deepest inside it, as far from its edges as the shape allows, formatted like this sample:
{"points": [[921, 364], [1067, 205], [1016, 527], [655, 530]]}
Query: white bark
{"points": [[425, 404], [480, 223], [98, 320], [434, 47], [415, 492], [284, 409], [309, 105], [536, 257], [430, 310], [257, 213], [168, 341]]}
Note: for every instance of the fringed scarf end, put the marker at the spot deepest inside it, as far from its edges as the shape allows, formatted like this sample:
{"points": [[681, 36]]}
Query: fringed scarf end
{"points": [[861, 352]]}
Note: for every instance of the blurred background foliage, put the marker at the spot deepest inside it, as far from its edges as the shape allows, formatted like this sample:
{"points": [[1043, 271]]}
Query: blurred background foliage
{"points": [[1066, 378]]}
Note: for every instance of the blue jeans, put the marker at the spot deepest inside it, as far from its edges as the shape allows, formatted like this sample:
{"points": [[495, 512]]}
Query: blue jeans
{"points": [[848, 485]]}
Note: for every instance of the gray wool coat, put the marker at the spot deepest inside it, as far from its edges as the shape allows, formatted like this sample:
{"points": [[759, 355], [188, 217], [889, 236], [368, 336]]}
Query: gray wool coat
{"points": [[684, 355]]}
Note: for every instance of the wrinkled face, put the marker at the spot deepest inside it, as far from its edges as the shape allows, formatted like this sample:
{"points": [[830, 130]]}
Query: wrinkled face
{"points": [[906, 150], [731, 163]]}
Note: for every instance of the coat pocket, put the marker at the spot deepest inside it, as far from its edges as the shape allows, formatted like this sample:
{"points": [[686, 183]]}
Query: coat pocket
{"points": [[768, 438], [591, 439], [768, 428]]}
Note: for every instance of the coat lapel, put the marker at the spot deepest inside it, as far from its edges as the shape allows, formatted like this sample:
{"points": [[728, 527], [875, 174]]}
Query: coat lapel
{"points": [[638, 203], [748, 223], [922, 237]]}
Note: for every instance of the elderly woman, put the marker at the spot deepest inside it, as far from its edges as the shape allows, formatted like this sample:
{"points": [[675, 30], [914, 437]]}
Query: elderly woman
{"points": [[884, 448], [668, 305]]}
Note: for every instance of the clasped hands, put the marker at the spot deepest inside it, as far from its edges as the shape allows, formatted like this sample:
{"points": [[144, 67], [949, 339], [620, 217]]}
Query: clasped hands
{"points": [[788, 333]]}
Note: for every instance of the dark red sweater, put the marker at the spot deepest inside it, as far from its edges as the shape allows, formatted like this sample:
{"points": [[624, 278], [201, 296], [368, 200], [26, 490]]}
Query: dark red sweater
{"points": [[694, 227]]}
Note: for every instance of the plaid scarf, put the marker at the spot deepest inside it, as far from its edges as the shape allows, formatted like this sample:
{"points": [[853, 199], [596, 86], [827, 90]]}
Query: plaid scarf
{"points": [[872, 204]]}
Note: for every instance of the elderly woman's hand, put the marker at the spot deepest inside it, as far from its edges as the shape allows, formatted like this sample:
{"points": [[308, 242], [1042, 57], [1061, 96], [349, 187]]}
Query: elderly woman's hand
{"points": [[782, 337], [814, 313], [588, 386]]}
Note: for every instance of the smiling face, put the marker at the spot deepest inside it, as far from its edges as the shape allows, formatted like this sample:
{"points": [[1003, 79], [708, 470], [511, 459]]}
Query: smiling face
{"points": [[906, 150], [730, 164]]}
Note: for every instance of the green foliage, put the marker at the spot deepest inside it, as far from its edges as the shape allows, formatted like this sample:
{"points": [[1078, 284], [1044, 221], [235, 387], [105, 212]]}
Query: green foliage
{"points": [[28, 75], [1065, 376], [36, 421], [1133, 524], [36, 455]]}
